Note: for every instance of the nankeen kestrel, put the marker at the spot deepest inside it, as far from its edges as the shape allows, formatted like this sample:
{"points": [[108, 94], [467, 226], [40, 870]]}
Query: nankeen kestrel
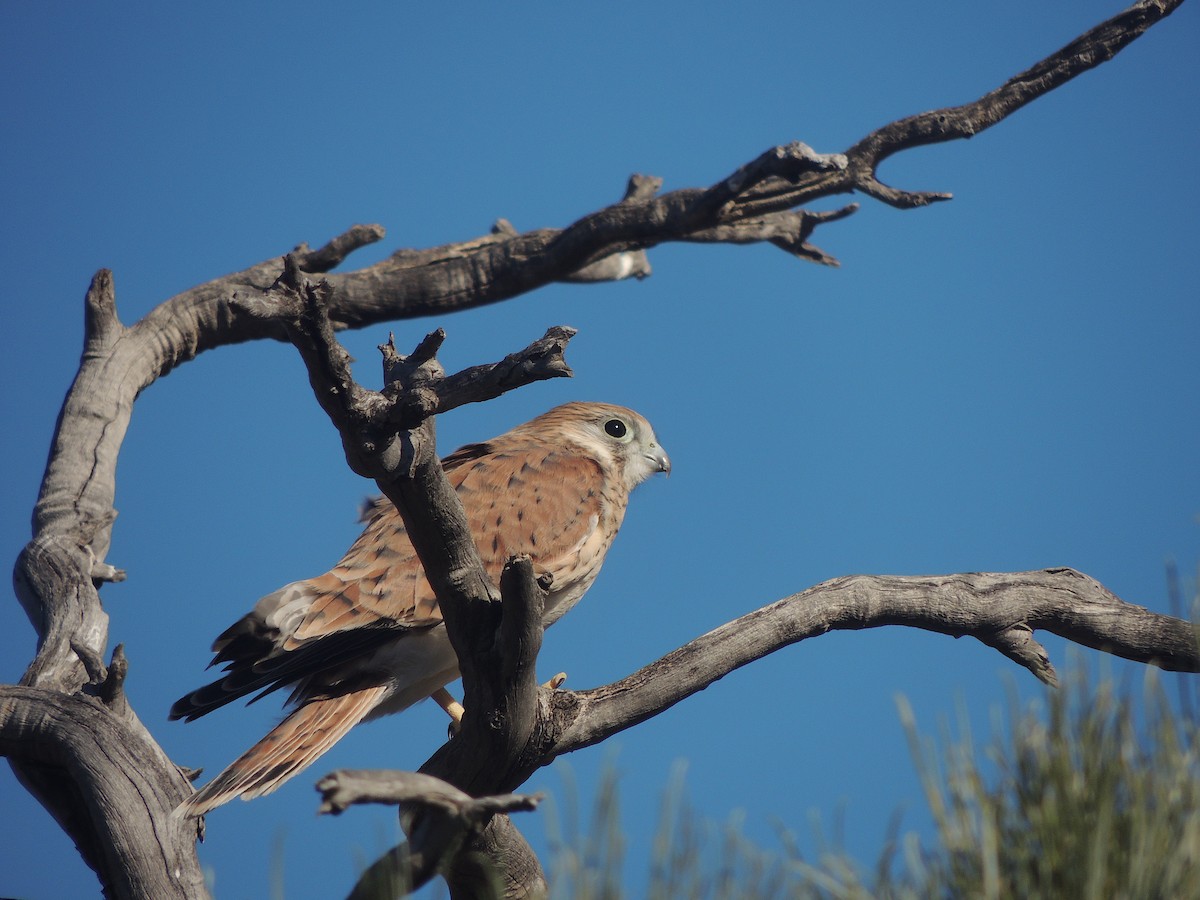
{"points": [[366, 638]]}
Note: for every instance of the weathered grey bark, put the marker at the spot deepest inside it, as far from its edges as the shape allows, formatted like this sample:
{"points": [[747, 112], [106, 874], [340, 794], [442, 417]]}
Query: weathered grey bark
{"points": [[1000, 610], [75, 746], [447, 814], [80, 748]]}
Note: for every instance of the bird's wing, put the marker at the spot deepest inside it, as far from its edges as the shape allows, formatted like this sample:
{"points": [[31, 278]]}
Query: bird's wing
{"points": [[519, 498]]}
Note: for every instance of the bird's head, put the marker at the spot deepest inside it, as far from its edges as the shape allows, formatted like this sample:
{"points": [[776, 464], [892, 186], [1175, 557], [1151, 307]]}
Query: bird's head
{"points": [[613, 434]]}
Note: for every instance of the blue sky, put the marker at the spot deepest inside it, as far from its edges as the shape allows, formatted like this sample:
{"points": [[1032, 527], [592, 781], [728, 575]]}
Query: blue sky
{"points": [[1003, 382]]}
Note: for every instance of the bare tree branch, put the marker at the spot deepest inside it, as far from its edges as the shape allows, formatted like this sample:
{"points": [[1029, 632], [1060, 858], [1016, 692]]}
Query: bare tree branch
{"points": [[344, 788], [1000, 610], [1096, 46], [335, 252], [442, 817], [501, 864], [498, 662], [787, 230], [59, 572], [73, 747], [503, 264]]}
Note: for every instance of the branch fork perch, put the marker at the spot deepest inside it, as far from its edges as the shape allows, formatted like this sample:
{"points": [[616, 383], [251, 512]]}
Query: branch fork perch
{"points": [[78, 745]]}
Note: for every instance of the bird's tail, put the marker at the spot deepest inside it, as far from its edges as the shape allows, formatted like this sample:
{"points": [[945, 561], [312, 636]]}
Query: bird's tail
{"points": [[290, 747]]}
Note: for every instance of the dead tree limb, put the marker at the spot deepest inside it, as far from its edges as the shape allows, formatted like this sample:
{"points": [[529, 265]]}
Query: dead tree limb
{"points": [[101, 771], [60, 571], [449, 814], [1001, 610]]}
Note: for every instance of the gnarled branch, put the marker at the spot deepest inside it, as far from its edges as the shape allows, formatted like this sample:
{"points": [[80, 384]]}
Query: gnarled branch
{"points": [[999, 609], [442, 816], [73, 748], [61, 569]]}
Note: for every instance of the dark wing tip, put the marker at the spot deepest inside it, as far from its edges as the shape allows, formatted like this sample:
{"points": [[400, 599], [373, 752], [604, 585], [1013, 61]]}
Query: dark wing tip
{"points": [[183, 708], [249, 675], [247, 639]]}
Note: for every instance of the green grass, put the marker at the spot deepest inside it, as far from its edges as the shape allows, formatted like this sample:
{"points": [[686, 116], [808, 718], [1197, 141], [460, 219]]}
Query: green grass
{"points": [[1097, 797]]}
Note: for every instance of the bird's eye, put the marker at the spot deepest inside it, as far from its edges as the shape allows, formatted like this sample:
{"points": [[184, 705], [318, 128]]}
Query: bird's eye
{"points": [[615, 428]]}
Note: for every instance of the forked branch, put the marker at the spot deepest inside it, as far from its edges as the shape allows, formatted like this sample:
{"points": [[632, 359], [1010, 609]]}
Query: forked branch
{"points": [[61, 569], [442, 818]]}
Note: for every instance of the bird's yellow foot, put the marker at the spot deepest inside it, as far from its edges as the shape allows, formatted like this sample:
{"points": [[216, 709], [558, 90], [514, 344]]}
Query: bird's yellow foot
{"points": [[453, 709]]}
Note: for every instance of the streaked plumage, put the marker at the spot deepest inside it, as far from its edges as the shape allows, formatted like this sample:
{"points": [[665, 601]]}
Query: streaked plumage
{"points": [[365, 639]]}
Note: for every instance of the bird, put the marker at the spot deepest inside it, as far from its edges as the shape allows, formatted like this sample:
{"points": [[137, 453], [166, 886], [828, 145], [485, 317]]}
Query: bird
{"points": [[366, 638]]}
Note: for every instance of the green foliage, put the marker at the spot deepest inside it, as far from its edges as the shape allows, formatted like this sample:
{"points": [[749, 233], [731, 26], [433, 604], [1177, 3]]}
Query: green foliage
{"points": [[1085, 801], [1094, 796]]}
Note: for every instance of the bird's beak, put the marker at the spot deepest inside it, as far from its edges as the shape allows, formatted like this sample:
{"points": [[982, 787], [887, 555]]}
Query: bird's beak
{"points": [[662, 462]]}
